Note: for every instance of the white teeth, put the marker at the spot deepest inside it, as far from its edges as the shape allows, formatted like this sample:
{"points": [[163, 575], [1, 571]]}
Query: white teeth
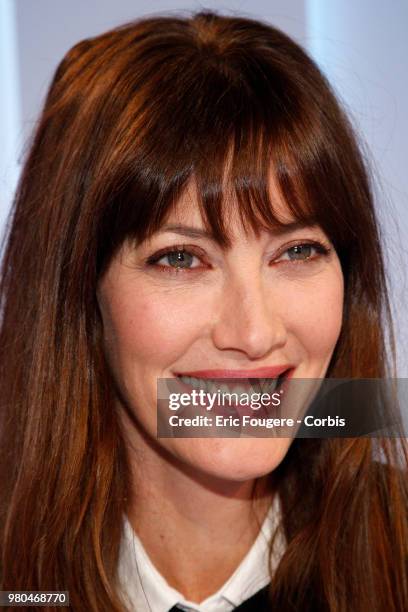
{"points": [[238, 389], [268, 385], [199, 383], [263, 385], [209, 386]]}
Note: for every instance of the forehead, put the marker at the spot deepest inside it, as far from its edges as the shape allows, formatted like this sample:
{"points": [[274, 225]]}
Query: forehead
{"points": [[188, 210]]}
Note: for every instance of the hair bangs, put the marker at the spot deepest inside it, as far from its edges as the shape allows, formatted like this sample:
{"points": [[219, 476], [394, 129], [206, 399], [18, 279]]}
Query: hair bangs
{"points": [[245, 171]]}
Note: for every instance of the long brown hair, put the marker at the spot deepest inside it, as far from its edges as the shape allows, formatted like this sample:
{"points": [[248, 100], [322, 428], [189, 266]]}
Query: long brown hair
{"points": [[131, 116]]}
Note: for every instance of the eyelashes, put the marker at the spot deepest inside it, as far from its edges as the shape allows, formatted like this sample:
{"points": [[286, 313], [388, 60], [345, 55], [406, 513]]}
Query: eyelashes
{"points": [[302, 252], [182, 259], [178, 257]]}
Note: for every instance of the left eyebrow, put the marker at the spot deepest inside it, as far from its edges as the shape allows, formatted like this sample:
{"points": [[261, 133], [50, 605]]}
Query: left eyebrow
{"points": [[187, 230]]}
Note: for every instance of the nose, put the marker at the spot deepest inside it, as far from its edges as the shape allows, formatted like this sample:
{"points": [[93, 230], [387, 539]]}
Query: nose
{"points": [[248, 319]]}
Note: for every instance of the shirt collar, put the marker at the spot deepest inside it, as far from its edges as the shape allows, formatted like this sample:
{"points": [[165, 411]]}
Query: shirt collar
{"points": [[147, 591]]}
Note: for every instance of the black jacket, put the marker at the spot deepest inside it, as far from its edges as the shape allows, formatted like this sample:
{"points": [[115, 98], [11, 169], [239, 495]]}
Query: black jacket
{"points": [[257, 603]]}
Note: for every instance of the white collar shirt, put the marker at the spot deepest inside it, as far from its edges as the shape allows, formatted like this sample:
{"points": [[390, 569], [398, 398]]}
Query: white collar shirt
{"points": [[145, 590]]}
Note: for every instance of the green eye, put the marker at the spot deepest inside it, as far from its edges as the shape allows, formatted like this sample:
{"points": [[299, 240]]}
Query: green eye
{"points": [[173, 259], [179, 259], [300, 251], [304, 252]]}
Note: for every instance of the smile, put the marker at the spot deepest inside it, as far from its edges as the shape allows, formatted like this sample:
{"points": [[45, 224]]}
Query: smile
{"points": [[242, 384]]}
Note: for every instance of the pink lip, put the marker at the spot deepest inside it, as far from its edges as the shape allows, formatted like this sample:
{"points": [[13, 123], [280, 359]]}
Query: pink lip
{"points": [[265, 372]]}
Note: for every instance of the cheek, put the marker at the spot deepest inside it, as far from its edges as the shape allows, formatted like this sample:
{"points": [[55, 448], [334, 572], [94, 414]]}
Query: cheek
{"points": [[150, 326], [314, 313]]}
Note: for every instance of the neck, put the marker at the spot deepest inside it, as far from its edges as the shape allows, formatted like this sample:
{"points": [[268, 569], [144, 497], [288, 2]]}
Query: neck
{"points": [[196, 528]]}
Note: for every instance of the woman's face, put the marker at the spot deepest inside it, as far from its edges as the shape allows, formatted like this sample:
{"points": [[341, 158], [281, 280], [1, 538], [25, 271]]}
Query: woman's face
{"points": [[266, 301]]}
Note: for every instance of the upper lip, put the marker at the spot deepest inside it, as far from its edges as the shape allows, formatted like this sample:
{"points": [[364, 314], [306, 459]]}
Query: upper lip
{"points": [[264, 372]]}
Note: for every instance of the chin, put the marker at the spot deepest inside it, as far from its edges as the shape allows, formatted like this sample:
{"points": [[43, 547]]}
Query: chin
{"points": [[235, 459]]}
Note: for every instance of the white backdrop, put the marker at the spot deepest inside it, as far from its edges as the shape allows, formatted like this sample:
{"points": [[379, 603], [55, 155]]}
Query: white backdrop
{"points": [[362, 46]]}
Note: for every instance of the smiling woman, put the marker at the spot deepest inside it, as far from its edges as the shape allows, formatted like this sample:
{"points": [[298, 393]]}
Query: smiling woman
{"points": [[185, 295], [194, 207]]}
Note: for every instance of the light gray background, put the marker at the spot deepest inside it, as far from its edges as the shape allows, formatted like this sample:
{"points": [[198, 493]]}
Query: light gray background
{"points": [[361, 45]]}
